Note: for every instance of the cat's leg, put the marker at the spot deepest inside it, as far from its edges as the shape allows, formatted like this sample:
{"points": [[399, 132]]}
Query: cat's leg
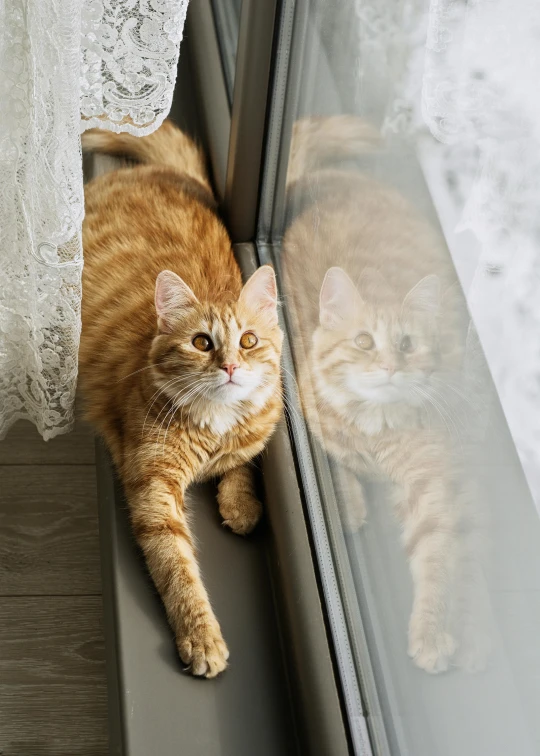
{"points": [[161, 529], [238, 504], [351, 500], [430, 539]]}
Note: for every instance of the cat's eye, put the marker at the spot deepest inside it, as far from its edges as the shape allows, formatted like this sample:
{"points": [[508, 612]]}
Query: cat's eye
{"points": [[406, 344], [248, 340], [365, 341], [202, 343]]}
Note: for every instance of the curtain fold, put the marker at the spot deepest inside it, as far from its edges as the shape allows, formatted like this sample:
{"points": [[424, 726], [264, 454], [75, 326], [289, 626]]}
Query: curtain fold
{"points": [[65, 66]]}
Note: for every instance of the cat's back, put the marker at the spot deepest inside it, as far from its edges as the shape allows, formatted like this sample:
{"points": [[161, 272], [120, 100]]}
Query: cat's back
{"points": [[140, 221]]}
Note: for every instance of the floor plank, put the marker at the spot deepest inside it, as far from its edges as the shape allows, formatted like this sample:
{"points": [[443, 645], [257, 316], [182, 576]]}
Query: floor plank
{"points": [[49, 530], [24, 446], [52, 677]]}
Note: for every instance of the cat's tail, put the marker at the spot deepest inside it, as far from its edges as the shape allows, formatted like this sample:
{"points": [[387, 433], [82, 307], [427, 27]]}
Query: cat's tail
{"points": [[320, 141], [167, 146]]}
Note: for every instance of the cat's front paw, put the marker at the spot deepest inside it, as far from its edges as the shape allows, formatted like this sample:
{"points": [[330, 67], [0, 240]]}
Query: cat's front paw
{"points": [[242, 514], [203, 649], [431, 650]]}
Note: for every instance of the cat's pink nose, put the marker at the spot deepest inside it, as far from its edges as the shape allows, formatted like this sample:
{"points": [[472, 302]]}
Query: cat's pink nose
{"points": [[390, 369], [229, 368]]}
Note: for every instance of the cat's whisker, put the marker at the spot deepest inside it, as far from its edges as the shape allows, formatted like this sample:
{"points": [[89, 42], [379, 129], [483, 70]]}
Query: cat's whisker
{"points": [[202, 394], [421, 391], [140, 370], [293, 377], [193, 399], [458, 391], [442, 398], [157, 417], [290, 408], [157, 394], [171, 381], [287, 401], [442, 413], [187, 389], [190, 402], [425, 409], [194, 405], [171, 412]]}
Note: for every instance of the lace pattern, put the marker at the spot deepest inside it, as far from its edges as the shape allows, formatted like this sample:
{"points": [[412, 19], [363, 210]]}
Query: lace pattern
{"points": [[129, 58], [65, 66]]}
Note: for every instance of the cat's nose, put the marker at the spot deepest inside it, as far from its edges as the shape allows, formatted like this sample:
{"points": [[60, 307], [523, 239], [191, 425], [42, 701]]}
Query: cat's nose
{"points": [[229, 368], [390, 369]]}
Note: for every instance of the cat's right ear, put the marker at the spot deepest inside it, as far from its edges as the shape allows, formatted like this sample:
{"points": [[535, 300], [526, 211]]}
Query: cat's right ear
{"points": [[173, 298], [339, 299]]}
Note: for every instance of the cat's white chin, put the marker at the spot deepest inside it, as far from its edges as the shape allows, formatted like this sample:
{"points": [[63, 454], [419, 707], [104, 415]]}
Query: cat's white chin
{"points": [[231, 391], [246, 386]]}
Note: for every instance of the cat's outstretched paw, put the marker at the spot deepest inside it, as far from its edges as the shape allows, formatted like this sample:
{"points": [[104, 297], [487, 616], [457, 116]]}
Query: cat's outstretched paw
{"points": [[242, 515], [203, 650], [431, 651]]}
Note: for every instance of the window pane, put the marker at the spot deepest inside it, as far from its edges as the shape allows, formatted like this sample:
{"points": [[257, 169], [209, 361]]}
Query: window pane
{"points": [[385, 247], [227, 20]]}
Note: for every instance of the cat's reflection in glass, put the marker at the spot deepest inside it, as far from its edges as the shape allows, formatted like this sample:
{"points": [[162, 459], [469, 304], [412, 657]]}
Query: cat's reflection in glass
{"points": [[380, 340]]}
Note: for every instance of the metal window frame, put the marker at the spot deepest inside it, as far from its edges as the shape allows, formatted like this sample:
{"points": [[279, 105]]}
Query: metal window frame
{"points": [[318, 697], [264, 108]]}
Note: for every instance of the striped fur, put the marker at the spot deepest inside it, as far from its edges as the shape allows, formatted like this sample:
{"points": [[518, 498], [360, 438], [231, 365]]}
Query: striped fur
{"points": [[157, 400]]}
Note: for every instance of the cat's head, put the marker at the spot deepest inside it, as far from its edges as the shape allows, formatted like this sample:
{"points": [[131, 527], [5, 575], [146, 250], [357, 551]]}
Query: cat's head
{"points": [[370, 347], [217, 355]]}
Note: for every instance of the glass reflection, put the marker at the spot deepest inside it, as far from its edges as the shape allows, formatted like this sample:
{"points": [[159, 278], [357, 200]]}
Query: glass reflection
{"points": [[387, 376]]}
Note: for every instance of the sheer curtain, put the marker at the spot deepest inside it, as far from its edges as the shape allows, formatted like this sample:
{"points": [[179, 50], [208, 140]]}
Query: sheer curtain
{"points": [[457, 79], [65, 66], [481, 73]]}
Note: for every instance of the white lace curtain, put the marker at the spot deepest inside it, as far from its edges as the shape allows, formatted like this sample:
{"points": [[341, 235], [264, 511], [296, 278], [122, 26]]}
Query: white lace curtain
{"points": [[459, 81], [65, 66]]}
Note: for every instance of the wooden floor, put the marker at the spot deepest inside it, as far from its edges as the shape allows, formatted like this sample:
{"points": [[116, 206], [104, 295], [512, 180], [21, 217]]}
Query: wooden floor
{"points": [[52, 666]]}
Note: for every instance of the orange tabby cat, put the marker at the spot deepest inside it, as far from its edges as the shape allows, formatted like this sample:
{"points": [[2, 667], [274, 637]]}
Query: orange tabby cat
{"points": [[179, 363]]}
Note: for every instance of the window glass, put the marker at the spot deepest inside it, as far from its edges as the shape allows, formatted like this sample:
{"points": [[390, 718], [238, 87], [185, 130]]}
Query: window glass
{"points": [[406, 247], [227, 20]]}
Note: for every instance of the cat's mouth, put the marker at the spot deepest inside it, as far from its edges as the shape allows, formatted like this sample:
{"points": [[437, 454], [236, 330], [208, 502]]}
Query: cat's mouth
{"points": [[229, 380]]}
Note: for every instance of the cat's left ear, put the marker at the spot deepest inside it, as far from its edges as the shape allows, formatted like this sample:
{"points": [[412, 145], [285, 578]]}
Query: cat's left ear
{"points": [[425, 296], [173, 297], [260, 294]]}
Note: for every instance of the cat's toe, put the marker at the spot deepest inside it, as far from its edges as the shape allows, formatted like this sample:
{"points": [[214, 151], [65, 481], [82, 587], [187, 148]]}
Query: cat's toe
{"points": [[242, 518], [204, 651], [432, 651]]}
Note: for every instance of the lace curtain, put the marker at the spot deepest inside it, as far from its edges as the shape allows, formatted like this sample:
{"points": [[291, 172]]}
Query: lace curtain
{"points": [[481, 73], [457, 79], [65, 66]]}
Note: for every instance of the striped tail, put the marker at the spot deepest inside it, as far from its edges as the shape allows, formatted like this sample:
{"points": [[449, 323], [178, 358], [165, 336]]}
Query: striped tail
{"points": [[167, 146]]}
